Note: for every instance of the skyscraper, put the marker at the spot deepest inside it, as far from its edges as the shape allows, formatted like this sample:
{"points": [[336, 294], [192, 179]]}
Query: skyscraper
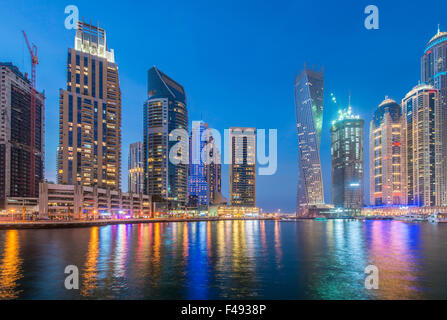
{"points": [[242, 150], [422, 143], [309, 88], [434, 73], [15, 136], [164, 111], [385, 155], [198, 188], [90, 113], [136, 171], [347, 162], [214, 173]]}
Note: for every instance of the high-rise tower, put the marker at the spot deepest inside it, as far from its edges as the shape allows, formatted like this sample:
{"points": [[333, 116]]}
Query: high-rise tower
{"points": [[90, 113], [15, 135], [198, 188], [214, 173], [164, 111], [136, 171], [309, 88], [347, 162], [385, 148], [242, 150], [434, 73], [422, 165]]}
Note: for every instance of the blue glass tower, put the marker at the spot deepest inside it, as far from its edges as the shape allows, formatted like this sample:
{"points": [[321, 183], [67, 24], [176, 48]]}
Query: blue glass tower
{"points": [[198, 189], [164, 111], [309, 87]]}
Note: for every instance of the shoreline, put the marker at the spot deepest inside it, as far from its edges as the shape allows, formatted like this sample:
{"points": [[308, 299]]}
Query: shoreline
{"points": [[19, 225]]}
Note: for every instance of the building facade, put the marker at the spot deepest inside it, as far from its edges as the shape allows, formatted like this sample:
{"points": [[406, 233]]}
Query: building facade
{"points": [[434, 73], [165, 122], [205, 173], [385, 149], [422, 151], [16, 163], [242, 151], [198, 188], [89, 150], [309, 92], [214, 173], [347, 162], [58, 201], [136, 171]]}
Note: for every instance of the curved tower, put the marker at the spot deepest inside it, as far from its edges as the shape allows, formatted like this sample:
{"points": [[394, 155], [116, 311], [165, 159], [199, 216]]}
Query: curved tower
{"points": [[164, 111], [309, 87]]}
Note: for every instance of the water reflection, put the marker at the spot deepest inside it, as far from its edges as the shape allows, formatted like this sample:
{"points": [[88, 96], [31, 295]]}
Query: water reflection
{"points": [[399, 266], [10, 267], [228, 260], [90, 271]]}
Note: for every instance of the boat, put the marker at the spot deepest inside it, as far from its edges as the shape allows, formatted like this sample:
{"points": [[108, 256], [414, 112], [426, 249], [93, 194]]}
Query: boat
{"points": [[283, 219], [320, 219], [437, 218], [411, 218]]}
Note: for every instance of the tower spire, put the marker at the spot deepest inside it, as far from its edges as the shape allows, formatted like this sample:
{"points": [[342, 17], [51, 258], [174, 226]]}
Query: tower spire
{"points": [[439, 28]]}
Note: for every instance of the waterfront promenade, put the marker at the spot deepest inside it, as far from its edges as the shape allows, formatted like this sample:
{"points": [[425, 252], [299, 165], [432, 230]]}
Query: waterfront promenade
{"points": [[18, 224]]}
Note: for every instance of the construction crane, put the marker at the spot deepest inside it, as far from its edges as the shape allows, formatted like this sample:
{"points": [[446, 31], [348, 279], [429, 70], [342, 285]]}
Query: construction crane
{"points": [[34, 62]]}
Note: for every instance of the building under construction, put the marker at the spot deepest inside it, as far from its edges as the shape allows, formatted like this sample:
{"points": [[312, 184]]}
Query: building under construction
{"points": [[16, 127]]}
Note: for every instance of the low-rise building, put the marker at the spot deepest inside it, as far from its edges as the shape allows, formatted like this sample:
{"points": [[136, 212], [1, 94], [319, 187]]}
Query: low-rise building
{"points": [[57, 201], [396, 211], [232, 211]]}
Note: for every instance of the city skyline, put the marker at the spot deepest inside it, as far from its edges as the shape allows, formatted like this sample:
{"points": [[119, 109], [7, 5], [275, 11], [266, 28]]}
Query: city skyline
{"points": [[269, 199]]}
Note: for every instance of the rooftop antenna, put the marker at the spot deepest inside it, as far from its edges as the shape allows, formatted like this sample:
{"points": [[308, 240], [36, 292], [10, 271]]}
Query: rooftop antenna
{"points": [[439, 28]]}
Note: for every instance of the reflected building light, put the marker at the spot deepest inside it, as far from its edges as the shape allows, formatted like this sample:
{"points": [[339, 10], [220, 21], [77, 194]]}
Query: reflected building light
{"points": [[121, 252], [10, 267], [90, 274]]}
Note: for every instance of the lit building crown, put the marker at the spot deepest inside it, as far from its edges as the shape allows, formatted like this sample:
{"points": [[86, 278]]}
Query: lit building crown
{"points": [[92, 40], [387, 101], [419, 87], [346, 114]]}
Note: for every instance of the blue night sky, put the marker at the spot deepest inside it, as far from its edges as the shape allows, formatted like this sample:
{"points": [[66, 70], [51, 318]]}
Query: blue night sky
{"points": [[237, 61]]}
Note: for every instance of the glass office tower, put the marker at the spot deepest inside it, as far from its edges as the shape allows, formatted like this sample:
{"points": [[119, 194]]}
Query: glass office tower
{"points": [[309, 88], [164, 111], [198, 188], [347, 162]]}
